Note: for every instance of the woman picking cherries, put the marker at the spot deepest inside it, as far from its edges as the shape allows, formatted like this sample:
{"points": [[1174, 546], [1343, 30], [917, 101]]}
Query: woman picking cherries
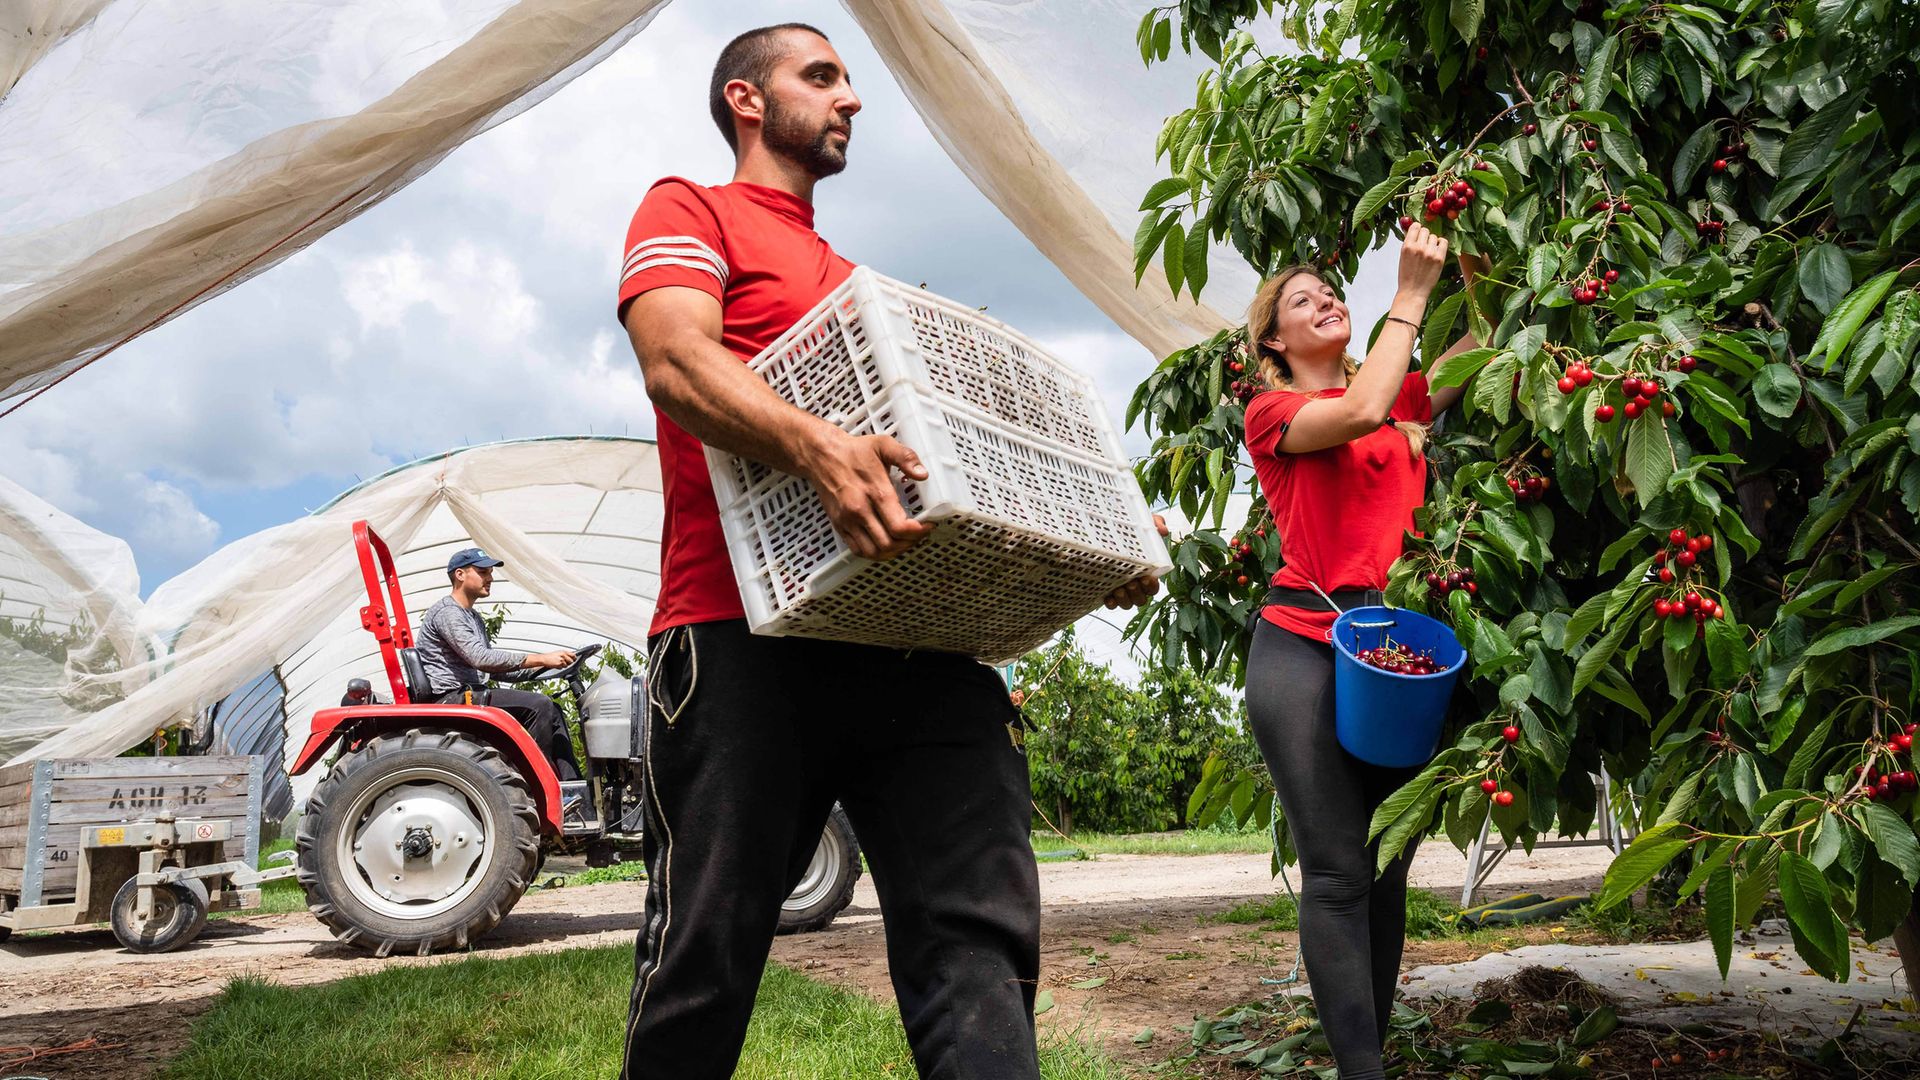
{"points": [[1339, 450]]}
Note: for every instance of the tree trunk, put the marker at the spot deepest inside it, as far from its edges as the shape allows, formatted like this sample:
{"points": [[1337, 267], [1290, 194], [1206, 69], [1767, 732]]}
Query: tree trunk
{"points": [[1066, 820], [1907, 937]]}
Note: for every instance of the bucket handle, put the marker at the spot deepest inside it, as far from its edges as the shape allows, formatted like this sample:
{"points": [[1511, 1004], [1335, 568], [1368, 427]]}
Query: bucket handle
{"points": [[1355, 626]]}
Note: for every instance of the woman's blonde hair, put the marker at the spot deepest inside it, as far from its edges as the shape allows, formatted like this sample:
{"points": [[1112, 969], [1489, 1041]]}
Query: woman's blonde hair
{"points": [[1263, 320]]}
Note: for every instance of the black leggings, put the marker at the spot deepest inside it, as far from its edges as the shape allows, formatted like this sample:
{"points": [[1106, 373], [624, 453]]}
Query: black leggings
{"points": [[1352, 925]]}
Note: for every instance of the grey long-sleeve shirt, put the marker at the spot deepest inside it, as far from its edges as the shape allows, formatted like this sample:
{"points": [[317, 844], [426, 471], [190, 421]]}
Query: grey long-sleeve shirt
{"points": [[455, 651]]}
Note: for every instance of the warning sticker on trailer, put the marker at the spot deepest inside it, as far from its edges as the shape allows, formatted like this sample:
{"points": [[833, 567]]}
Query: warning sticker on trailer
{"points": [[112, 836], [203, 831]]}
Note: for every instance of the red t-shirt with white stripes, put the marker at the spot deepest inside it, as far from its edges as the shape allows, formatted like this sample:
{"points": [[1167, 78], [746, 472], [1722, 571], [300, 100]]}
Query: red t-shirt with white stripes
{"points": [[1343, 511], [753, 249]]}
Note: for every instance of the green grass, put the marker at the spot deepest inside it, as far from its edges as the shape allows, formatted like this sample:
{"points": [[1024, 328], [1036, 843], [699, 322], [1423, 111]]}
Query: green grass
{"points": [[600, 875], [276, 897], [1187, 842], [545, 1015]]}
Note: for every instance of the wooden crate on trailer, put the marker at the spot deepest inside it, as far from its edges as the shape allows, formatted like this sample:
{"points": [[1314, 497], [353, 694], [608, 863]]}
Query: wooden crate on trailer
{"points": [[45, 806]]}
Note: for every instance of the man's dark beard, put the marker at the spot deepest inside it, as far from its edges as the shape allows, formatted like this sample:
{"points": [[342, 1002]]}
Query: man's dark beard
{"points": [[813, 150]]}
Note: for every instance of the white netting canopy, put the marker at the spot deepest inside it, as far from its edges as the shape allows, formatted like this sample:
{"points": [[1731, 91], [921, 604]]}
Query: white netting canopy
{"points": [[577, 521], [155, 153]]}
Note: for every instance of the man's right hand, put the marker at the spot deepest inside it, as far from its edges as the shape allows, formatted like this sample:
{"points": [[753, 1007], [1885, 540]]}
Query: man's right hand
{"points": [[851, 474], [558, 659]]}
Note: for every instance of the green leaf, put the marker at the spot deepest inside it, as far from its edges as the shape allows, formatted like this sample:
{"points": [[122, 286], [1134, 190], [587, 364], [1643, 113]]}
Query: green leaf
{"points": [[1720, 908], [1721, 855], [1398, 803], [1777, 390], [1880, 899], [1811, 144], [1173, 258], [1376, 197], [1840, 326], [1465, 15], [1597, 80], [1893, 838], [1650, 456], [1194, 261], [1807, 753], [1818, 933], [1543, 262], [1825, 276], [1726, 651], [1459, 368], [1680, 803], [1043, 1001], [1413, 822], [1855, 636], [1596, 1025], [1649, 852], [1162, 191], [1693, 154], [1596, 658]]}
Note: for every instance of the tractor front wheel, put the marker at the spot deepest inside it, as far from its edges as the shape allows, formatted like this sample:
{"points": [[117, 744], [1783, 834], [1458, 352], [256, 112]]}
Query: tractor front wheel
{"points": [[417, 842]]}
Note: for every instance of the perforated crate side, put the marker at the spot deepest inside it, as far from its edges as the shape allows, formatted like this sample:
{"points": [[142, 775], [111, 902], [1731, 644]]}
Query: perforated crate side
{"points": [[778, 532]]}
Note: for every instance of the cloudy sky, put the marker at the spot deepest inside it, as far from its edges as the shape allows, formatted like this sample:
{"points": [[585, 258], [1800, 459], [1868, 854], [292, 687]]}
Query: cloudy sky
{"points": [[476, 305]]}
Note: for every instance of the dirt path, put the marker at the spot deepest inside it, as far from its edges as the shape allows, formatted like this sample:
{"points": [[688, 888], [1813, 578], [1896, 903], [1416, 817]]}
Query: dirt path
{"points": [[1138, 919]]}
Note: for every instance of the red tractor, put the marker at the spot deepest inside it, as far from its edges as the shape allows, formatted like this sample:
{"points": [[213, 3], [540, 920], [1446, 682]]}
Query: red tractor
{"points": [[432, 819]]}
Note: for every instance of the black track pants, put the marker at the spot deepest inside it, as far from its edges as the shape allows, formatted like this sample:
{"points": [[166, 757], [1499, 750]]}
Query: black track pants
{"points": [[750, 741], [1352, 925]]}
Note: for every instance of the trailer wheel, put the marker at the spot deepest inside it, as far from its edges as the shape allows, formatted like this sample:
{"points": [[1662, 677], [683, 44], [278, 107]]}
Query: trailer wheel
{"points": [[417, 842], [826, 888], [178, 915]]}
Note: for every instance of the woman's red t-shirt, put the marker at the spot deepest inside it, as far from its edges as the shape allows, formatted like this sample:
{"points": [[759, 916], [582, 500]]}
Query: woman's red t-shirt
{"points": [[1341, 511]]}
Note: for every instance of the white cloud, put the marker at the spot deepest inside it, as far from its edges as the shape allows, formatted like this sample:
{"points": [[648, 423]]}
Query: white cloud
{"points": [[168, 522]]}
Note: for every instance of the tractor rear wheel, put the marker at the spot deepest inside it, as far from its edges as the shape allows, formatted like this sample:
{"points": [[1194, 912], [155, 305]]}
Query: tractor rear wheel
{"points": [[826, 888], [417, 842]]}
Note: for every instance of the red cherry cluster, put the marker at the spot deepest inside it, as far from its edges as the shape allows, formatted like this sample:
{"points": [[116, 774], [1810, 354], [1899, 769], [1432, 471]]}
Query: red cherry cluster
{"points": [[1444, 199], [1686, 364], [1882, 787], [1530, 488], [1454, 579], [1686, 552], [1711, 231], [1492, 786], [1244, 389], [1529, 128], [1578, 375], [1641, 395], [1399, 660], [1692, 606], [1594, 288]]}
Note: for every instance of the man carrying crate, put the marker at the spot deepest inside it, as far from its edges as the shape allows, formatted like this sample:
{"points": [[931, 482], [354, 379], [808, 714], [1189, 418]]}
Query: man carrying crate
{"points": [[751, 739]]}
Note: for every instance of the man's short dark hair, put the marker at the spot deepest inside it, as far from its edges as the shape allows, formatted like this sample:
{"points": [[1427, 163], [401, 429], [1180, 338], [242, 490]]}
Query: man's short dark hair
{"points": [[749, 58]]}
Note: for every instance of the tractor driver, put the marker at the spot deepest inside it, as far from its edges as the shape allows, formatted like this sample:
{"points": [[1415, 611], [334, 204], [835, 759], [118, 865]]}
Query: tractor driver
{"points": [[458, 655]]}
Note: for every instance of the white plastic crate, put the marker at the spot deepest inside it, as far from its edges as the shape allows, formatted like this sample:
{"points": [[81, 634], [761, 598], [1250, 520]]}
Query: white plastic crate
{"points": [[1036, 515]]}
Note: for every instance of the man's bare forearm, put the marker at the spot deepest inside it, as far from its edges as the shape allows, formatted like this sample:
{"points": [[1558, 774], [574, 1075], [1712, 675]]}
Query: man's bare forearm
{"points": [[702, 386]]}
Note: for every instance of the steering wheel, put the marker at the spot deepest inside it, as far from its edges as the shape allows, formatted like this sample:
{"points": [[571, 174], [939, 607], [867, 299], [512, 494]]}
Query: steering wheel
{"points": [[580, 656]]}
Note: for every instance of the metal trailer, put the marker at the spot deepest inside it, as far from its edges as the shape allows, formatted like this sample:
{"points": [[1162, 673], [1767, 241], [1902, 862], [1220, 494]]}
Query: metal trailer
{"points": [[150, 846]]}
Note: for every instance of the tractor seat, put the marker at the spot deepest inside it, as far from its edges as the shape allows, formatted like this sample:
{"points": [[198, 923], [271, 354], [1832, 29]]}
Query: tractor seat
{"points": [[419, 690]]}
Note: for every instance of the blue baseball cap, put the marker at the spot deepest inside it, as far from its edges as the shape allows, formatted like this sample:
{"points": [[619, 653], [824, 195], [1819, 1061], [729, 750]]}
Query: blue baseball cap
{"points": [[471, 557]]}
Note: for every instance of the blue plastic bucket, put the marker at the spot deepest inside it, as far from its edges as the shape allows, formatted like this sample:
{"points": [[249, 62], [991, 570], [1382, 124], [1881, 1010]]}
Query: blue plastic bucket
{"points": [[1382, 717]]}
